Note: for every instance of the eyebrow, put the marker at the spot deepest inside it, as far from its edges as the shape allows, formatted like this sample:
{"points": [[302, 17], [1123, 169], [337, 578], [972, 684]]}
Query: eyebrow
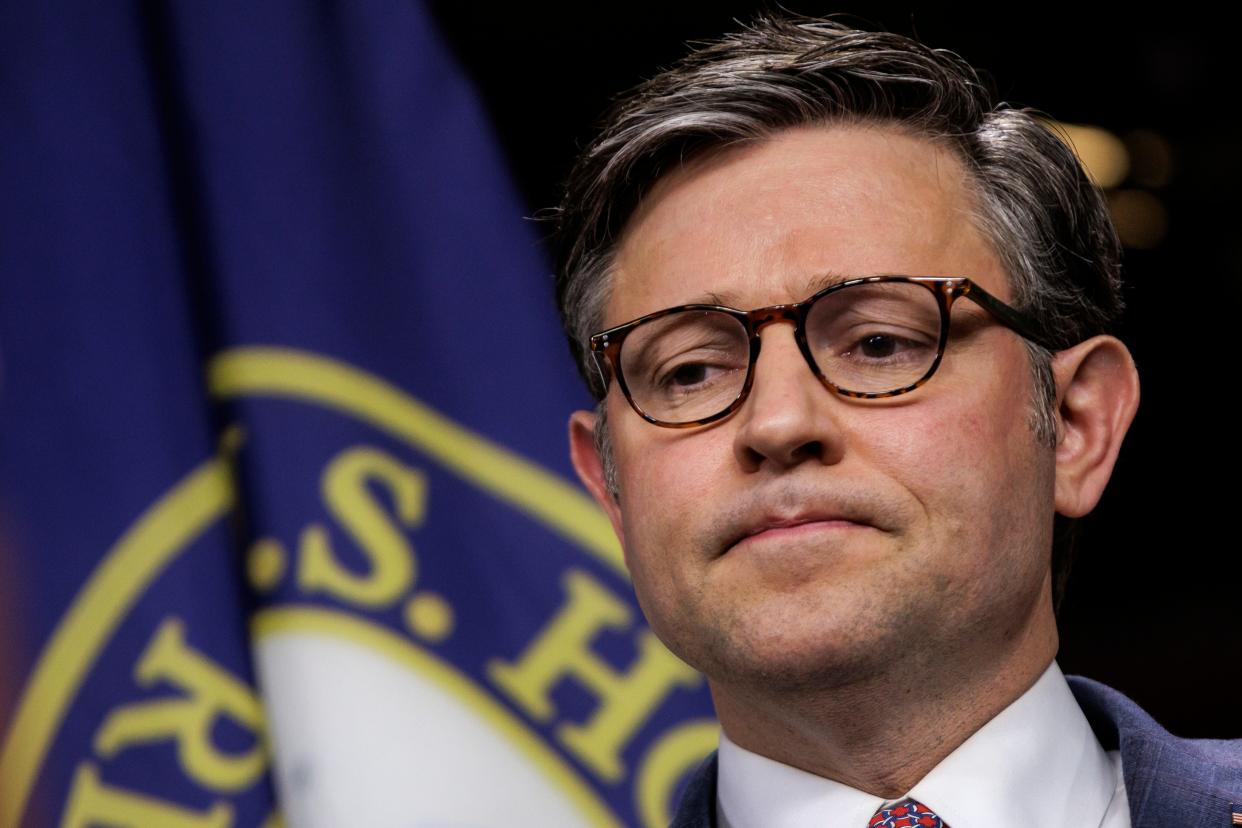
{"points": [[729, 299]]}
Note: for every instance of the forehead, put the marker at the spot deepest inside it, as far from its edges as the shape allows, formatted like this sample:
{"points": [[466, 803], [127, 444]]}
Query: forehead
{"points": [[764, 223]]}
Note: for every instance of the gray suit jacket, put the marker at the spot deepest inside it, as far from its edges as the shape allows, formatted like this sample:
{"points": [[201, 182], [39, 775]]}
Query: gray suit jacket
{"points": [[1170, 782]]}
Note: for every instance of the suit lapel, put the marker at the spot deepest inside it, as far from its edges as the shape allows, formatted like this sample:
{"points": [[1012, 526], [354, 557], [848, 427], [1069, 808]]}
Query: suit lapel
{"points": [[1170, 782], [1190, 783], [697, 808]]}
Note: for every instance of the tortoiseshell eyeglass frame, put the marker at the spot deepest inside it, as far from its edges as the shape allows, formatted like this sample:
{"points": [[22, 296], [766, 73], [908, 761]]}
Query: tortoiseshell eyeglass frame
{"points": [[606, 345]]}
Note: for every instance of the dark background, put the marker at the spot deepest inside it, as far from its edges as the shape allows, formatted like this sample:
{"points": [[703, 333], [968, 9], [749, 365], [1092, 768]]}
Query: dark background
{"points": [[1153, 605]]}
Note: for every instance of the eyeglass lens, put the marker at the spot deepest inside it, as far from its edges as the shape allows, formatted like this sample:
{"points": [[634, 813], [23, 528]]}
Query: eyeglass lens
{"points": [[870, 338]]}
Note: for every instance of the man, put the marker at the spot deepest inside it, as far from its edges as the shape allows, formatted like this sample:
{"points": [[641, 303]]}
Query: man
{"points": [[848, 324]]}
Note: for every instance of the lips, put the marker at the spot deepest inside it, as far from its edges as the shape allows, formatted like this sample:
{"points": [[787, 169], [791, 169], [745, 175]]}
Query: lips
{"points": [[784, 526], [773, 525]]}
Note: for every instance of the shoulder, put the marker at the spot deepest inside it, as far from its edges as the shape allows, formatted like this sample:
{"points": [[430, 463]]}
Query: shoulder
{"points": [[697, 808], [1169, 780], [1119, 724]]}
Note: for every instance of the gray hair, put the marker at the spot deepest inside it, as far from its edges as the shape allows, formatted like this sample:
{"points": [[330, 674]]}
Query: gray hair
{"points": [[1046, 220]]}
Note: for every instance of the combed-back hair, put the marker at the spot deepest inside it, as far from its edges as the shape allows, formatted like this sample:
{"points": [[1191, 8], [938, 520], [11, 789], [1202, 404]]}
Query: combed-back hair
{"points": [[1045, 219]]}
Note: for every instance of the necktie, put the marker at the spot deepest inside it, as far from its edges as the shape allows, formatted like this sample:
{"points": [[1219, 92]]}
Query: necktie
{"points": [[908, 813]]}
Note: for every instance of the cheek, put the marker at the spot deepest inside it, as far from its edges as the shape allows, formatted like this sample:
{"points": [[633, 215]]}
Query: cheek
{"points": [[666, 489], [933, 450], [973, 466], [666, 481]]}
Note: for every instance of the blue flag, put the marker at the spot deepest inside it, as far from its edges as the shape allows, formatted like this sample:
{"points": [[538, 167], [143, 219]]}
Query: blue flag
{"points": [[290, 534]]}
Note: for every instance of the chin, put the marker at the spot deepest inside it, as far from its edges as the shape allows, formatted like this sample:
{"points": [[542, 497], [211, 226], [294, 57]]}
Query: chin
{"points": [[779, 657]]}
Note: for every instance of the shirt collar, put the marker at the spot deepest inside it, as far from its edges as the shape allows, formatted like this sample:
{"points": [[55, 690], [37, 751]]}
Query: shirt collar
{"points": [[1038, 755]]}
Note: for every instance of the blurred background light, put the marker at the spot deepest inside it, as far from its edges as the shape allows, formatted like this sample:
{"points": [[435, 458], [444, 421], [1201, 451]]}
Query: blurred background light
{"points": [[1102, 153], [1141, 219], [1151, 158]]}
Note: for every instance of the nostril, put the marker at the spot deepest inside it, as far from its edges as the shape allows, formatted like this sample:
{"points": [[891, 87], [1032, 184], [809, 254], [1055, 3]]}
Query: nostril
{"points": [[809, 450], [751, 458]]}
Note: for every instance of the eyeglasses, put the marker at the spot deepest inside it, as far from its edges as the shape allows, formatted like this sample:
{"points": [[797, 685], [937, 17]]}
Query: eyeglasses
{"points": [[876, 336]]}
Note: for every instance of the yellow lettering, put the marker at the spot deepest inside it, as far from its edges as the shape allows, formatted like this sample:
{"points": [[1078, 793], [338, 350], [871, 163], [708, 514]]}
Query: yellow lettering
{"points": [[91, 803], [211, 692], [389, 554], [562, 650], [677, 751]]}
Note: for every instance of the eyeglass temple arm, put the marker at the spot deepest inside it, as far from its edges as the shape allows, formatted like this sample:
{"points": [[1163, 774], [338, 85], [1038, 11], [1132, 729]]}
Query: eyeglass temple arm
{"points": [[1009, 316], [599, 360]]}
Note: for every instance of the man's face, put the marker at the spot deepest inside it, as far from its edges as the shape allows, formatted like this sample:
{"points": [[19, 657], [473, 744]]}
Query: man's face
{"points": [[811, 539]]}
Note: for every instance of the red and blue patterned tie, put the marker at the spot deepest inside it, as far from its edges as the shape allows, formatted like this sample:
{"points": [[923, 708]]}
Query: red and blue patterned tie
{"points": [[908, 813]]}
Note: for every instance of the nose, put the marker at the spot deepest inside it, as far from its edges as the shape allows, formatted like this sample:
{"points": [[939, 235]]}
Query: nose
{"points": [[790, 417]]}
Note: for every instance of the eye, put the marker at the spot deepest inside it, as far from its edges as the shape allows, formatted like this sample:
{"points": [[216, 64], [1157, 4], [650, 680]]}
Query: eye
{"points": [[691, 374], [878, 345], [685, 362], [886, 347]]}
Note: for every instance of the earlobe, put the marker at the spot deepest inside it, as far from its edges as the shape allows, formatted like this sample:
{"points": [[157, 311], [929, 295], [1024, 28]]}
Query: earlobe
{"points": [[1097, 396], [590, 467]]}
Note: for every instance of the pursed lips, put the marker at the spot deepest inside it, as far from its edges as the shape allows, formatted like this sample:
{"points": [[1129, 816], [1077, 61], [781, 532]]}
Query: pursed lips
{"points": [[791, 527]]}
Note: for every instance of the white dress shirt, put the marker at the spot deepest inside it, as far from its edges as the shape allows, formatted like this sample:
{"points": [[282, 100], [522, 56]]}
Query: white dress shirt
{"points": [[1038, 756]]}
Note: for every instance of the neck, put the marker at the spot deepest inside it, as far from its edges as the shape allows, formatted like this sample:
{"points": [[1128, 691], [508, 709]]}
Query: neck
{"points": [[850, 734]]}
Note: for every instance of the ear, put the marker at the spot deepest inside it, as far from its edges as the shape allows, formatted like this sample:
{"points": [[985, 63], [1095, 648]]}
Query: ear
{"points": [[590, 467], [1097, 395]]}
